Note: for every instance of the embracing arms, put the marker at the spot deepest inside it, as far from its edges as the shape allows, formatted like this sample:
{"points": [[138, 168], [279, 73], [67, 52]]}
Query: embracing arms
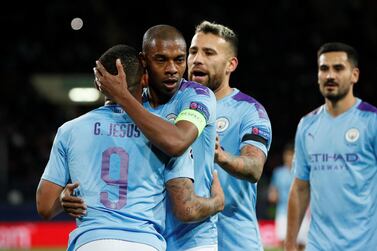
{"points": [[173, 139], [186, 205], [51, 199]]}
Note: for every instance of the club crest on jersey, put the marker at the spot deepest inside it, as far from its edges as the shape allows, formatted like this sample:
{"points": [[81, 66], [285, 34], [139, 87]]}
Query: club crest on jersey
{"points": [[352, 135], [222, 124], [171, 117]]}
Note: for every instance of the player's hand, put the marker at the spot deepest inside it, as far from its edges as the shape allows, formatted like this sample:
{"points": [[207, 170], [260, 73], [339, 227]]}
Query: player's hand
{"points": [[217, 192], [220, 154], [113, 86], [71, 204]]}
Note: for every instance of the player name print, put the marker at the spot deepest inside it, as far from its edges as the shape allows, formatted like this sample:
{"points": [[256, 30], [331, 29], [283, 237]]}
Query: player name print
{"points": [[121, 130]]}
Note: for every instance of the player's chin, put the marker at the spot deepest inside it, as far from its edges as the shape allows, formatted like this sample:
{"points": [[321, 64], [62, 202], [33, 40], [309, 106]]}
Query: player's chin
{"points": [[170, 88], [200, 79], [333, 96]]}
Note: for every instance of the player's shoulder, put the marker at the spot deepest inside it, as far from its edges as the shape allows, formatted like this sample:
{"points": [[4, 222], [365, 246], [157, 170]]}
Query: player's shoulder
{"points": [[314, 114], [248, 104], [365, 107], [367, 114], [191, 86], [242, 97], [310, 118]]}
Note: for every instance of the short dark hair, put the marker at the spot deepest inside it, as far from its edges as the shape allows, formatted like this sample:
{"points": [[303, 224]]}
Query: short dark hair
{"points": [[161, 32], [352, 55], [130, 61], [219, 30]]}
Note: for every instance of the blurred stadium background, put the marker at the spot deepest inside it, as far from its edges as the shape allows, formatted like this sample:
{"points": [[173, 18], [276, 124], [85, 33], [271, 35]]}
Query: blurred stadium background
{"points": [[45, 55]]}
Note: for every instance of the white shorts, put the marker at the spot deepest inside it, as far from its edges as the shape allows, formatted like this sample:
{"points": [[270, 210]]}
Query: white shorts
{"points": [[114, 245], [203, 248], [281, 228]]}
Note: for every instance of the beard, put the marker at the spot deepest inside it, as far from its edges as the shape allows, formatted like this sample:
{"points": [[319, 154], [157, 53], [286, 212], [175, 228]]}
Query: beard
{"points": [[334, 96], [214, 82], [214, 85]]}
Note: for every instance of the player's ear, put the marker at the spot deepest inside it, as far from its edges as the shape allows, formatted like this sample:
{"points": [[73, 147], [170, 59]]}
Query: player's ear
{"points": [[142, 59], [355, 75], [232, 66], [144, 79]]}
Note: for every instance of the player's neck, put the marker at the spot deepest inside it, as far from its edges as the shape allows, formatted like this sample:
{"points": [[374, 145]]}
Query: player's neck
{"points": [[222, 91], [155, 99], [338, 107]]}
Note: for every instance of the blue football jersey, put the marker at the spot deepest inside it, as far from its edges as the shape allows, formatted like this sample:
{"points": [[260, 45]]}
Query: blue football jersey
{"points": [[122, 177], [241, 120], [338, 156], [282, 178], [197, 97]]}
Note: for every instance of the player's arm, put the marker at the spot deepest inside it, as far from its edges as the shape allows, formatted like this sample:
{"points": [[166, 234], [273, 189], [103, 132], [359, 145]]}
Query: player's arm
{"points": [[247, 166], [169, 138], [47, 199], [299, 197], [189, 207]]}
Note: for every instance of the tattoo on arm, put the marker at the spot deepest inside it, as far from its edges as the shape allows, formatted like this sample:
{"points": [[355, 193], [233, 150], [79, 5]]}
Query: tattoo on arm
{"points": [[186, 205], [249, 165]]}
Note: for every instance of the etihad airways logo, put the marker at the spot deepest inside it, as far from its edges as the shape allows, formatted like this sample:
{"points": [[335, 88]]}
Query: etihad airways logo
{"points": [[333, 157], [332, 162]]}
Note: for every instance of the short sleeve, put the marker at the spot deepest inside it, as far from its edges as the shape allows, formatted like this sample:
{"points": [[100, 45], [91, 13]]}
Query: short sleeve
{"points": [[256, 129], [201, 99], [180, 167], [300, 165], [56, 169]]}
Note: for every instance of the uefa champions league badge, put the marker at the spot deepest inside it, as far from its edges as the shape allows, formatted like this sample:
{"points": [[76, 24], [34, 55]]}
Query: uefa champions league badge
{"points": [[222, 124], [171, 117], [200, 108], [352, 135]]}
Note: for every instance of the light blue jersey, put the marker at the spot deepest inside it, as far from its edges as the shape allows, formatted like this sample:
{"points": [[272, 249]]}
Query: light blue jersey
{"points": [[193, 96], [338, 156], [282, 179], [122, 177], [241, 120]]}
